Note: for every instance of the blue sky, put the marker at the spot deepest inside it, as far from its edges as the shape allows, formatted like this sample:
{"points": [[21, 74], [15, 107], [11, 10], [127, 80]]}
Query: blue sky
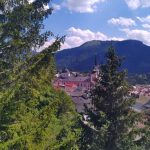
{"points": [[85, 20]]}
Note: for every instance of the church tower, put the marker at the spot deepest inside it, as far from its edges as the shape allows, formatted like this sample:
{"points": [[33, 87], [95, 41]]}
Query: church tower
{"points": [[95, 71], [95, 61]]}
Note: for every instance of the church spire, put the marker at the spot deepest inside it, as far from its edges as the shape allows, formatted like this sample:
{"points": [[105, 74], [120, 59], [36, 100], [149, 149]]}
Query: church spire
{"points": [[95, 61]]}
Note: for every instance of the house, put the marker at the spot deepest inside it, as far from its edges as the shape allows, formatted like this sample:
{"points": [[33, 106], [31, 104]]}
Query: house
{"points": [[77, 85], [67, 78]]}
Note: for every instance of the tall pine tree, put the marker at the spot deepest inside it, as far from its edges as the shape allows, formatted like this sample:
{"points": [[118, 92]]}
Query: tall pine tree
{"points": [[21, 25], [33, 115], [112, 123]]}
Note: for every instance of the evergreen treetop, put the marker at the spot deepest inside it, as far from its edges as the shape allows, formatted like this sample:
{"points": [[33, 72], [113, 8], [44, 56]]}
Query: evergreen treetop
{"points": [[21, 25], [33, 115], [113, 124]]}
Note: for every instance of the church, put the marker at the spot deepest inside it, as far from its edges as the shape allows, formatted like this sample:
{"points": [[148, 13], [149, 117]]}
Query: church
{"points": [[70, 81]]}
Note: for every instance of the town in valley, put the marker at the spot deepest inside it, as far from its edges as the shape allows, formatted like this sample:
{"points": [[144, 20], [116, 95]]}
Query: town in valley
{"points": [[78, 86]]}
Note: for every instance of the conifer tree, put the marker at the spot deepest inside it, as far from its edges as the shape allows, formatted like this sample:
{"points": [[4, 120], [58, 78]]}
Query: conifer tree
{"points": [[21, 25], [33, 114], [112, 123]]}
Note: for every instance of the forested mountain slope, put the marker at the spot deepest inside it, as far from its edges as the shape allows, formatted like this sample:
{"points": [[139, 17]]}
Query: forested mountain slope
{"points": [[82, 58]]}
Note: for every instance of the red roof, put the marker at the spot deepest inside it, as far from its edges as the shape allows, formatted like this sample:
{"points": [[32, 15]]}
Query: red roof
{"points": [[70, 85]]}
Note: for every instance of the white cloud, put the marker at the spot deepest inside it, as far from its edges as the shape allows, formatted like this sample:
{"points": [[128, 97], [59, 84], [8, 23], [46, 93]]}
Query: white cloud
{"points": [[85, 34], [45, 6], [56, 6], [145, 22], [30, 1], [82, 6], [76, 37], [122, 21], [137, 34], [144, 19], [46, 44], [145, 3], [146, 26], [134, 4]]}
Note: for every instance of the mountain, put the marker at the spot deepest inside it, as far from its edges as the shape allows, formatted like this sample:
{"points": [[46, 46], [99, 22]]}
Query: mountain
{"points": [[137, 55]]}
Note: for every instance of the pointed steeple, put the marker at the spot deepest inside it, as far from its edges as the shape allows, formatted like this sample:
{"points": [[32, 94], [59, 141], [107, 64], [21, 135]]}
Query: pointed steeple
{"points": [[95, 61]]}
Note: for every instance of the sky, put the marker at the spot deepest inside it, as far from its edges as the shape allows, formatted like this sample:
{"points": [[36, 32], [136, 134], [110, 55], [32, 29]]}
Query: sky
{"points": [[86, 20]]}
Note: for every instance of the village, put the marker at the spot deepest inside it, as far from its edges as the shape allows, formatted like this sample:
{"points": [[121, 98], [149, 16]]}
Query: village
{"points": [[142, 95], [78, 86]]}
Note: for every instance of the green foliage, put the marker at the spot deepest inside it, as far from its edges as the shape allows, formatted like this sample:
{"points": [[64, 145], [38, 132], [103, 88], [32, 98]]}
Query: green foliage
{"points": [[112, 124], [20, 28], [33, 115]]}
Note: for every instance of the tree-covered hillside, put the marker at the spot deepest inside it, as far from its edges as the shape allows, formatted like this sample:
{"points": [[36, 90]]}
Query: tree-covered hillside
{"points": [[82, 58]]}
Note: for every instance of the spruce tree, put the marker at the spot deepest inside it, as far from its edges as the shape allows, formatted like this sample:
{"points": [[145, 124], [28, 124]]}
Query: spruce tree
{"points": [[21, 25], [112, 123], [33, 114]]}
